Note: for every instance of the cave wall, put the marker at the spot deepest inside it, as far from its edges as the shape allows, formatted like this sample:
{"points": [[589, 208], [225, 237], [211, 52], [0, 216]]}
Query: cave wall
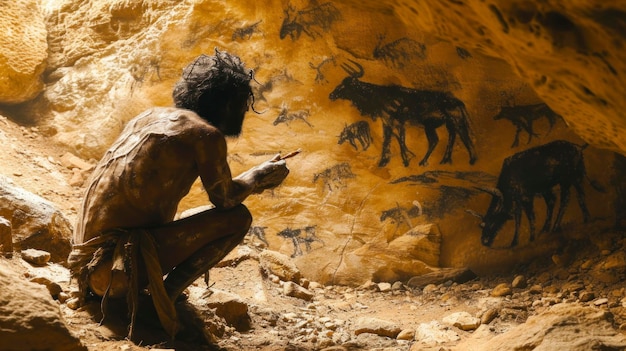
{"points": [[349, 213]]}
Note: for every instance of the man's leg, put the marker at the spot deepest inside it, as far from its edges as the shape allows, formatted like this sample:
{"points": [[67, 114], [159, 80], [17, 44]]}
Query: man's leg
{"points": [[189, 244], [189, 247]]}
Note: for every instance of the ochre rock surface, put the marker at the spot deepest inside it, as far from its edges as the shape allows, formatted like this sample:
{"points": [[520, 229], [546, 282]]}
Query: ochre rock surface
{"points": [[24, 50], [358, 201]]}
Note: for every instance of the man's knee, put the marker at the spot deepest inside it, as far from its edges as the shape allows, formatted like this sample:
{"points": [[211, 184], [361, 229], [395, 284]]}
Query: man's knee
{"points": [[243, 218]]}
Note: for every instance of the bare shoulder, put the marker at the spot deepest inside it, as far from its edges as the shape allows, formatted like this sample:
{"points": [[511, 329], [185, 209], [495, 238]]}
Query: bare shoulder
{"points": [[170, 121]]}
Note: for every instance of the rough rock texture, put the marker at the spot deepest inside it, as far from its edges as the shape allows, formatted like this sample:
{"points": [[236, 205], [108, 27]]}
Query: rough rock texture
{"points": [[570, 53], [559, 328], [24, 50], [30, 319], [360, 194], [36, 223]]}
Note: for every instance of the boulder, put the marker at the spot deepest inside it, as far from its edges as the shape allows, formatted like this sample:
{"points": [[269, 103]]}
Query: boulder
{"points": [[272, 262], [230, 307], [31, 319], [36, 223]]}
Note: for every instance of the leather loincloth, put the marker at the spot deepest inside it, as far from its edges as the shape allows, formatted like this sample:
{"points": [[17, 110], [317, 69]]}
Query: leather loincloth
{"points": [[124, 248]]}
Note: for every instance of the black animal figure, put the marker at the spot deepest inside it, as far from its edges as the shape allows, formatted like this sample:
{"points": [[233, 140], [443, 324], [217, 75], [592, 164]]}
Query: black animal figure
{"points": [[285, 116], [399, 51], [294, 235], [523, 116], [396, 105], [283, 77], [532, 172], [319, 75], [258, 232], [358, 131], [399, 214], [245, 32], [334, 175], [311, 21]]}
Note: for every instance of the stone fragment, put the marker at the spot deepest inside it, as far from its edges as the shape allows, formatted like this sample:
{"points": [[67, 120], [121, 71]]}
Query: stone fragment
{"points": [[457, 275], [77, 178], [601, 301], [70, 161], [551, 289], [519, 282], [434, 333], [53, 287], [384, 287], [572, 286], [281, 265], [397, 286], [462, 320], [587, 296], [36, 257], [535, 289], [230, 307], [294, 290], [376, 326], [489, 316], [369, 285], [500, 290], [406, 334]]}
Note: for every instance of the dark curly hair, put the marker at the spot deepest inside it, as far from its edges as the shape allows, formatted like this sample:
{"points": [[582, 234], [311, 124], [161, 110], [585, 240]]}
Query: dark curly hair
{"points": [[210, 82]]}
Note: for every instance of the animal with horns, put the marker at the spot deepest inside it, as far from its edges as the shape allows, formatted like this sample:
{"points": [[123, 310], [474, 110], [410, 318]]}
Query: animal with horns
{"points": [[396, 105]]}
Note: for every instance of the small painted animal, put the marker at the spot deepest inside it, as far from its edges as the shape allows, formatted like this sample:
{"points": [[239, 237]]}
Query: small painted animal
{"points": [[523, 116], [358, 131]]}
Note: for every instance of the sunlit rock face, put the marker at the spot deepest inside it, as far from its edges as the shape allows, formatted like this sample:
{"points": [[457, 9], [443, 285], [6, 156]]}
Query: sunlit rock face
{"points": [[365, 90], [24, 50]]}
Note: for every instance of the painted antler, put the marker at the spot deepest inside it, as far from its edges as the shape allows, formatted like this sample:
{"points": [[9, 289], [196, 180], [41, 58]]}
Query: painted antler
{"points": [[356, 71]]}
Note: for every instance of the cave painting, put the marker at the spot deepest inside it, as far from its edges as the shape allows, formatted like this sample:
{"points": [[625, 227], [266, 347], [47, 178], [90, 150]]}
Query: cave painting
{"points": [[295, 235], [396, 105], [523, 116], [399, 51], [532, 172], [358, 131], [320, 77], [281, 78], [402, 215], [455, 187], [334, 177], [313, 20], [258, 232], [286, 116]]}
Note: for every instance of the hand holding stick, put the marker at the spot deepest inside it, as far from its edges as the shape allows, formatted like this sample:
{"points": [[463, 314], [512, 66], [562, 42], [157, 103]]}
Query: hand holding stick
{"points": [[289, 155]]}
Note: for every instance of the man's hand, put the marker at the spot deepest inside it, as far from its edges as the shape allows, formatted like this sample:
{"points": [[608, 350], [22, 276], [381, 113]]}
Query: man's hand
{"points": [[270, 174]]}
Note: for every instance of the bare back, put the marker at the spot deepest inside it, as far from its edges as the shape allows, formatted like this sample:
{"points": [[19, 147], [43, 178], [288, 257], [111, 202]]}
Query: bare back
{"points": [[149, 169]]}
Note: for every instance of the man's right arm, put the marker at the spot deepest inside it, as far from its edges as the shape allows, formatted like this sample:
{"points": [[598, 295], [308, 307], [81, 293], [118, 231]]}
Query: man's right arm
{"points": [[223, 190]]}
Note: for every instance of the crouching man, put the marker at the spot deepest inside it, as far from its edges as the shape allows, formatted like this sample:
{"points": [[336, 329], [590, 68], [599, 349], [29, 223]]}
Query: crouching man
{"points": [[126, 239]]}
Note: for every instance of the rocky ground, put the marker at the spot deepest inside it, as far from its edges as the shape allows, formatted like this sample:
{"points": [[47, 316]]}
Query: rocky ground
{"points": [[256, 301]]}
